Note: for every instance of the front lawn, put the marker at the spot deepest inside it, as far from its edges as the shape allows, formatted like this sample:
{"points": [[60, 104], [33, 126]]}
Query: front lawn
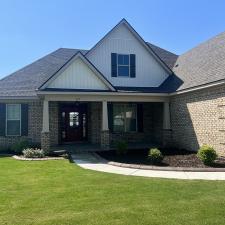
{"points": [[59, 192]]}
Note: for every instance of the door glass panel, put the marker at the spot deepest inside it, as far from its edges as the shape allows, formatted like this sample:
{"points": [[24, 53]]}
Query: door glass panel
{"points": [[74, 119], [84, 125]]}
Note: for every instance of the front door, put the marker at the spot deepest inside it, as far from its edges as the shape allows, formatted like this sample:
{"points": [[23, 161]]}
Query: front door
{"points": [[73, 122]]}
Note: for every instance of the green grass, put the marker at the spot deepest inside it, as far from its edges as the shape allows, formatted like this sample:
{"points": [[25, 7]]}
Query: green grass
{"points": [[58, 192]]}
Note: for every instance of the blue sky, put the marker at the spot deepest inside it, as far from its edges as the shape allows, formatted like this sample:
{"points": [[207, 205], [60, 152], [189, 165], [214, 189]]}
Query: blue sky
{"points": [[32, 29]]}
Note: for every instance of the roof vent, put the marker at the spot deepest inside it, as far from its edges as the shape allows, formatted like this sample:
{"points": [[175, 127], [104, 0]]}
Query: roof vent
{"points": [[176, 65]]}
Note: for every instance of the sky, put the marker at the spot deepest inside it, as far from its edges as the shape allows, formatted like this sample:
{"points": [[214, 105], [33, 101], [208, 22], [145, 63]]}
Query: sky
{"points": [[30, 29]]}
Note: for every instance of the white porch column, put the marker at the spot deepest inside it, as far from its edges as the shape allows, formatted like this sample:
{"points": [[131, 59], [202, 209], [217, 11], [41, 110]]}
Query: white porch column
{"points": [[105, 125], [45, 121], [166, 116]]}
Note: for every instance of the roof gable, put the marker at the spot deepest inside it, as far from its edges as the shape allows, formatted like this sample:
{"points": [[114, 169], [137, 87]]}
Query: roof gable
{"points": [[78, 73], [123, 22]]}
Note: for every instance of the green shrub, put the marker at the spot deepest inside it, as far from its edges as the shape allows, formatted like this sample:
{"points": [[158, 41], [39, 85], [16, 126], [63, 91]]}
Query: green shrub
{"points": [[19, 146], [207, 154], [33, 153], [155, 156], [121, 147]]}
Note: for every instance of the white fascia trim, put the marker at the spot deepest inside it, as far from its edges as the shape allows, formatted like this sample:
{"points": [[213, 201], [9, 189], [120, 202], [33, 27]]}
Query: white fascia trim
{"points": [[18, 98], [101, 93], [78, 55], [198, 88]]}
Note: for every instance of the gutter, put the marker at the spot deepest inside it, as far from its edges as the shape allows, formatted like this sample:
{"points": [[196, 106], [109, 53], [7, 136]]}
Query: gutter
{"points": [[200, 87]]}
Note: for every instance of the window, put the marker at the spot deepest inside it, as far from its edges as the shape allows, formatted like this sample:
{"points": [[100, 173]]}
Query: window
{"points": [[13, 119], [74, 119], [123, 65], [124, 117]]}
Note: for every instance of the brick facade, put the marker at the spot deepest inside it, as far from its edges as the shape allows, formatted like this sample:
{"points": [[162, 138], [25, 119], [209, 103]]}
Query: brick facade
{"points": [[54, 123], [34, 127], [45, 141], [152, 126], [198, 118]]}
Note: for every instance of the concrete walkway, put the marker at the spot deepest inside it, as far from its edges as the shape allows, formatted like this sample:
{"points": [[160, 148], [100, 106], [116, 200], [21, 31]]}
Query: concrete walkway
{"points": [[92, 162]]}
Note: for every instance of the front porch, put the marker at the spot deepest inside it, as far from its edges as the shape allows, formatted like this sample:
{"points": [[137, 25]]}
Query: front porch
{"points": [[100, 129], [90, 147]]}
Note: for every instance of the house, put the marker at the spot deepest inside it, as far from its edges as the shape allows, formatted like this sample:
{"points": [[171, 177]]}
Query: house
{"points": [[123, 88]]}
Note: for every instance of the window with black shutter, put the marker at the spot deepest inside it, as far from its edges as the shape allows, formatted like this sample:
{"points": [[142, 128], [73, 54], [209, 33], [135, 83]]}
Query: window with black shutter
{"points": [[123, 65]]}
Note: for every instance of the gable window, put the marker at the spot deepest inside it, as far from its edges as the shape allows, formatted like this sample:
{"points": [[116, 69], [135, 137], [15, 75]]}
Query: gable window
{"points": [[123, 65], [124, 117], [13, 119]]}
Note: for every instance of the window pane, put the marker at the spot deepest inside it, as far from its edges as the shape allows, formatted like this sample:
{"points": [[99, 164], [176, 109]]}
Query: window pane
{"points": [[118, 118], [13, 127], [131, 125], [126, 60], [13, 112], [123, 60], [123, 71], [74, 119], [131, 118]]}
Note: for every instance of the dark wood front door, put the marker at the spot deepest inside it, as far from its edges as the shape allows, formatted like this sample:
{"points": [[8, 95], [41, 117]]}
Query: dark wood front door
{"points": [[73, 122]]}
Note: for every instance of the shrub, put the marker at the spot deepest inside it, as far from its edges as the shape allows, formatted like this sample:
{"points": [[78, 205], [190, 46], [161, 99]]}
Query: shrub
{"points": [[155, 156], [121, 147], [207, 154], [19, 146], [33, 153]]}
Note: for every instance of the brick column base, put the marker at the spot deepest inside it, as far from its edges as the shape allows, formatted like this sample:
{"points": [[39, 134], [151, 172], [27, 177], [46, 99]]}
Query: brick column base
{"points": [[105, 139], [45, 141], [167, 138]]}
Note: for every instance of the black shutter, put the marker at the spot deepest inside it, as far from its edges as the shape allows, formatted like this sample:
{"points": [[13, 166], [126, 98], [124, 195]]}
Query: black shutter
{"points": [[110, 116], [140, 117], [132, 66], [2, 119], [24, 119], [114, 64]]}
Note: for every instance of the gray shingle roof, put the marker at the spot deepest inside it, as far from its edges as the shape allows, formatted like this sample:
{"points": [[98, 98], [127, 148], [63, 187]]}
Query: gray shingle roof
{"points": [[202, 64], [168, 57], [25, 81]]}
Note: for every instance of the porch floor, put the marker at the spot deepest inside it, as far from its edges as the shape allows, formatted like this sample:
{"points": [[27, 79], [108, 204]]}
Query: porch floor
{"points": [[89, 147]]}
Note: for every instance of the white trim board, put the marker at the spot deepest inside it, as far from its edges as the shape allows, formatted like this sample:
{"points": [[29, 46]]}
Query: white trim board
{"points": [[87, 63]]}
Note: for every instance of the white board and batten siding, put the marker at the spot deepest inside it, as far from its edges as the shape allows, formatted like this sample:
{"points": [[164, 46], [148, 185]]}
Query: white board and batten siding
{"points": [[149, 72], [78, 76]]}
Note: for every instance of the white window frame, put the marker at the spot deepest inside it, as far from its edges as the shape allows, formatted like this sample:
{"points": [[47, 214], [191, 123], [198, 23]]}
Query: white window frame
{"points": [[125, 121], [6, 120], [122, 65]]}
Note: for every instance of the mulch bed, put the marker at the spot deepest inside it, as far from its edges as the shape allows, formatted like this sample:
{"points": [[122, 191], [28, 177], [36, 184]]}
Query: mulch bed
{"points": [[172, 158]]}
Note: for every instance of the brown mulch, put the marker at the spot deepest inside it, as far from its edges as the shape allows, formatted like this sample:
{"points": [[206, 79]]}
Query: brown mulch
{"points": [[172, 158]]}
